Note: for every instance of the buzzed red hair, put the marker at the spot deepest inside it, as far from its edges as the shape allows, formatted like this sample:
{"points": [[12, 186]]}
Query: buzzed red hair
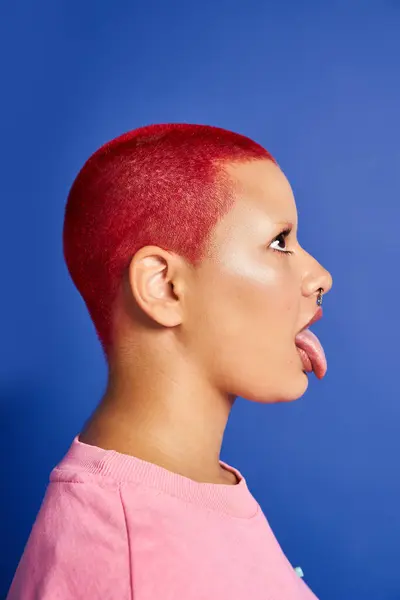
{"points": [[160, 185]]}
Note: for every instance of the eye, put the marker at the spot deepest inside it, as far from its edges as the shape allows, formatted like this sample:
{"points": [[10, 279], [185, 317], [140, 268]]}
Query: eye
{"points": [[280, 242]]}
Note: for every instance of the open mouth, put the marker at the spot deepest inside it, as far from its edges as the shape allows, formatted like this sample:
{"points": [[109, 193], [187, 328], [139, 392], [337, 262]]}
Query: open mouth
{"points": [[310, 349]]}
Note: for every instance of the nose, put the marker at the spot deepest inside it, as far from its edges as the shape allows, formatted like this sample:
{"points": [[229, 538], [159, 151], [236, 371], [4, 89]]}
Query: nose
{"points": [[315, 277]]}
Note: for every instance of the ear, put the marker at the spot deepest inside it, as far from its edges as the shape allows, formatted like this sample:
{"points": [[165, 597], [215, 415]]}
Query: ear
{"points": [[156, 283]]}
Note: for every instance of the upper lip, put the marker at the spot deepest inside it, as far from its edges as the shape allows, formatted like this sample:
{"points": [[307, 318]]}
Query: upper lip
{"points": [[317, 316]]}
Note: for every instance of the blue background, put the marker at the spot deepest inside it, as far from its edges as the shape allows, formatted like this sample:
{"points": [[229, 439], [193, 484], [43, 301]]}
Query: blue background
{"points": [[318, 84]]}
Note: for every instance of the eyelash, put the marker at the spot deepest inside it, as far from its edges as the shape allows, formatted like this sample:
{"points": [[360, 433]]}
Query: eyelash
{"points": [[283, 234]]}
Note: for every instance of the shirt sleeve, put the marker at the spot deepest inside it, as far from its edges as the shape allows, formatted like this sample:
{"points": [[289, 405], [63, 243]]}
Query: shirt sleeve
{"points": [[78, 548]]}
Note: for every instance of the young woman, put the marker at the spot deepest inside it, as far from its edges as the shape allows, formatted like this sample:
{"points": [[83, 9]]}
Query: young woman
{"points": [[181, 240]]}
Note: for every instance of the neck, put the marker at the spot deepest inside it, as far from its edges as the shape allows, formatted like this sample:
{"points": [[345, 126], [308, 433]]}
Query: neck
{"points": [[167, 417]]}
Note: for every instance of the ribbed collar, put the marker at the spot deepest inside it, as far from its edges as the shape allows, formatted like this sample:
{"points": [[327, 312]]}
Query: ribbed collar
{"points": [[235, 500]]}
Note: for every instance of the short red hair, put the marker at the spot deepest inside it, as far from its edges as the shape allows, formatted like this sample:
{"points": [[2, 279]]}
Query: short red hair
{"points": [[158, 185]]}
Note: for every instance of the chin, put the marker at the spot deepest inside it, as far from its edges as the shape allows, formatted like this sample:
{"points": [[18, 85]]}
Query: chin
{"points": [[298, 389], [295, 386], [289, 384], [286, 392]]}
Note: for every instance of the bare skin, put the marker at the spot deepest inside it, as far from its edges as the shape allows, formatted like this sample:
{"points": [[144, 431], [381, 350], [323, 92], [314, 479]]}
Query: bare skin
{"points": [[189, 341]]}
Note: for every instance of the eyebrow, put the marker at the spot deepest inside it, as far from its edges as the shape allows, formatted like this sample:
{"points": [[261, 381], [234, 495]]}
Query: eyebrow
{"points": [[285, 224]]}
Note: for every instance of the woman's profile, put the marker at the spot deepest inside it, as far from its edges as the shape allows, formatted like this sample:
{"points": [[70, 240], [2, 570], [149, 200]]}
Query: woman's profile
{"points": [[181, 240]]}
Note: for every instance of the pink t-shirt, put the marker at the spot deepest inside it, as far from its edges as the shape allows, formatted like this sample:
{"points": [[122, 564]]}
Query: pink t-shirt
{"points": [[114, 527]]}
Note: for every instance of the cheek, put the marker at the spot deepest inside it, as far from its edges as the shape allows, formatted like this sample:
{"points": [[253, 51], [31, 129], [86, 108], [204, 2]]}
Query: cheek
{"points": [[264, 296], [244, 326], [254, 354], [259, 313]]}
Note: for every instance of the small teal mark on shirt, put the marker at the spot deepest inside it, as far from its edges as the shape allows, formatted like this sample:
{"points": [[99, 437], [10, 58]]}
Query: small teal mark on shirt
{"points": [[299, 571]]}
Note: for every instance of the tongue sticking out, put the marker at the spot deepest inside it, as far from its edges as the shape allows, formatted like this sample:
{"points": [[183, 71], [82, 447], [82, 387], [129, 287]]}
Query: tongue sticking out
{"points": [[311, 352]]}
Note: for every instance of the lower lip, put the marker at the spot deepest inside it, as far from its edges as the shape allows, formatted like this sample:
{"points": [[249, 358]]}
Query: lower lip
{"points": [[305, 360]]}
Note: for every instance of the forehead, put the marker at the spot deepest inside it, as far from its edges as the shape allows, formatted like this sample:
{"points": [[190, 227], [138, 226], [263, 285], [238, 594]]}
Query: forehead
{"points": [[262, 189], [263, 206]]}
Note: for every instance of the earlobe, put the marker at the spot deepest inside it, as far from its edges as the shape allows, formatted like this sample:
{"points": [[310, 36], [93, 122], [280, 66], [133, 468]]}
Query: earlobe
{"points": [[152, 274]]}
